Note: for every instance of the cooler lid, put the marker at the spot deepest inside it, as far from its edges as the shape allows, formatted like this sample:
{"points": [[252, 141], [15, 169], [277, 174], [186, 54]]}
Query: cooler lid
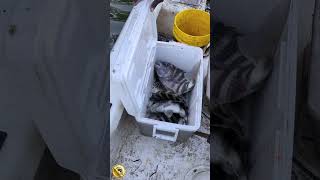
{"points": [[133, 55]]}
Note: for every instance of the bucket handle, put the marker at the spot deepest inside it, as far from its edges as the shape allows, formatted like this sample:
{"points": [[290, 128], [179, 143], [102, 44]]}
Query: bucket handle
{"points": [[165, 133]]}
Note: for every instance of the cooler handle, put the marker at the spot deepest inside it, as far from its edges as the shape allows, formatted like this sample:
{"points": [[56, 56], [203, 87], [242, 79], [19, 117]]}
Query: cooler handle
{"points": [[165, 133]]}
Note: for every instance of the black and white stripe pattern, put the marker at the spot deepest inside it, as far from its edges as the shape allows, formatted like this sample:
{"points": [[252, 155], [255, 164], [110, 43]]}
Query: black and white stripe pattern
{"points": [[173, 78], [168, 108], [159, 93], [169, 95]]}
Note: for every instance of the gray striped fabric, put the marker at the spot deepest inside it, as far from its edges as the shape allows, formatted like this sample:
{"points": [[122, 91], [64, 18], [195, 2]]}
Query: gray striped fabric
{"points": [[234, 75]]}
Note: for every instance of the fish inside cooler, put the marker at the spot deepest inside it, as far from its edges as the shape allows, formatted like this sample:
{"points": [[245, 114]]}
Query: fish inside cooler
{"points": [[186, 104], [170, 94], [171, 91], [189, 59]]}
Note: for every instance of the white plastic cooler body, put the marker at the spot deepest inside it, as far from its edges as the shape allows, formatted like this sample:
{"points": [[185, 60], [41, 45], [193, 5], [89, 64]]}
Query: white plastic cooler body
{"points": [[186, 58], [132, 68]]}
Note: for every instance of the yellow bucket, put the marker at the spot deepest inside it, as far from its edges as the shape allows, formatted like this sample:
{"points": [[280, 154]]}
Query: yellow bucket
{"points": [[192, 27]]}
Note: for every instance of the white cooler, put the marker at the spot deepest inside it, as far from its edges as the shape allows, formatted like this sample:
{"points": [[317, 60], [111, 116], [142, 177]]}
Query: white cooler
{"points": [[132, 73]]}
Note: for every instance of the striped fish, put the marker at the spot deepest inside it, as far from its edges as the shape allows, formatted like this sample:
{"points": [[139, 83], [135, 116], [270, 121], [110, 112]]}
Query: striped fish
{"points": [[160, 93], [179, 120], [162, 117], [173, 78], [183, 121], [167, 107], [158, 116]]}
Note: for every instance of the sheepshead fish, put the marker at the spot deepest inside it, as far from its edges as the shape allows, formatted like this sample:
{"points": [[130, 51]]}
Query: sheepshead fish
{"points": [[162, 117], [160, 93], [173, 78], [176, 118], [158, 116], [183, 121], [167, 107]]}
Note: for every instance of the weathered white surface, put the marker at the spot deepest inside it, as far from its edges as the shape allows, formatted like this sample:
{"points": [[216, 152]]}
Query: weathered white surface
{"points": [[142, 156]]}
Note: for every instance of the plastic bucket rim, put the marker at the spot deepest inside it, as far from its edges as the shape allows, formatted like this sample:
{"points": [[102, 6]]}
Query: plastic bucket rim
{"points": [[185, 11], [197, 40]]}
